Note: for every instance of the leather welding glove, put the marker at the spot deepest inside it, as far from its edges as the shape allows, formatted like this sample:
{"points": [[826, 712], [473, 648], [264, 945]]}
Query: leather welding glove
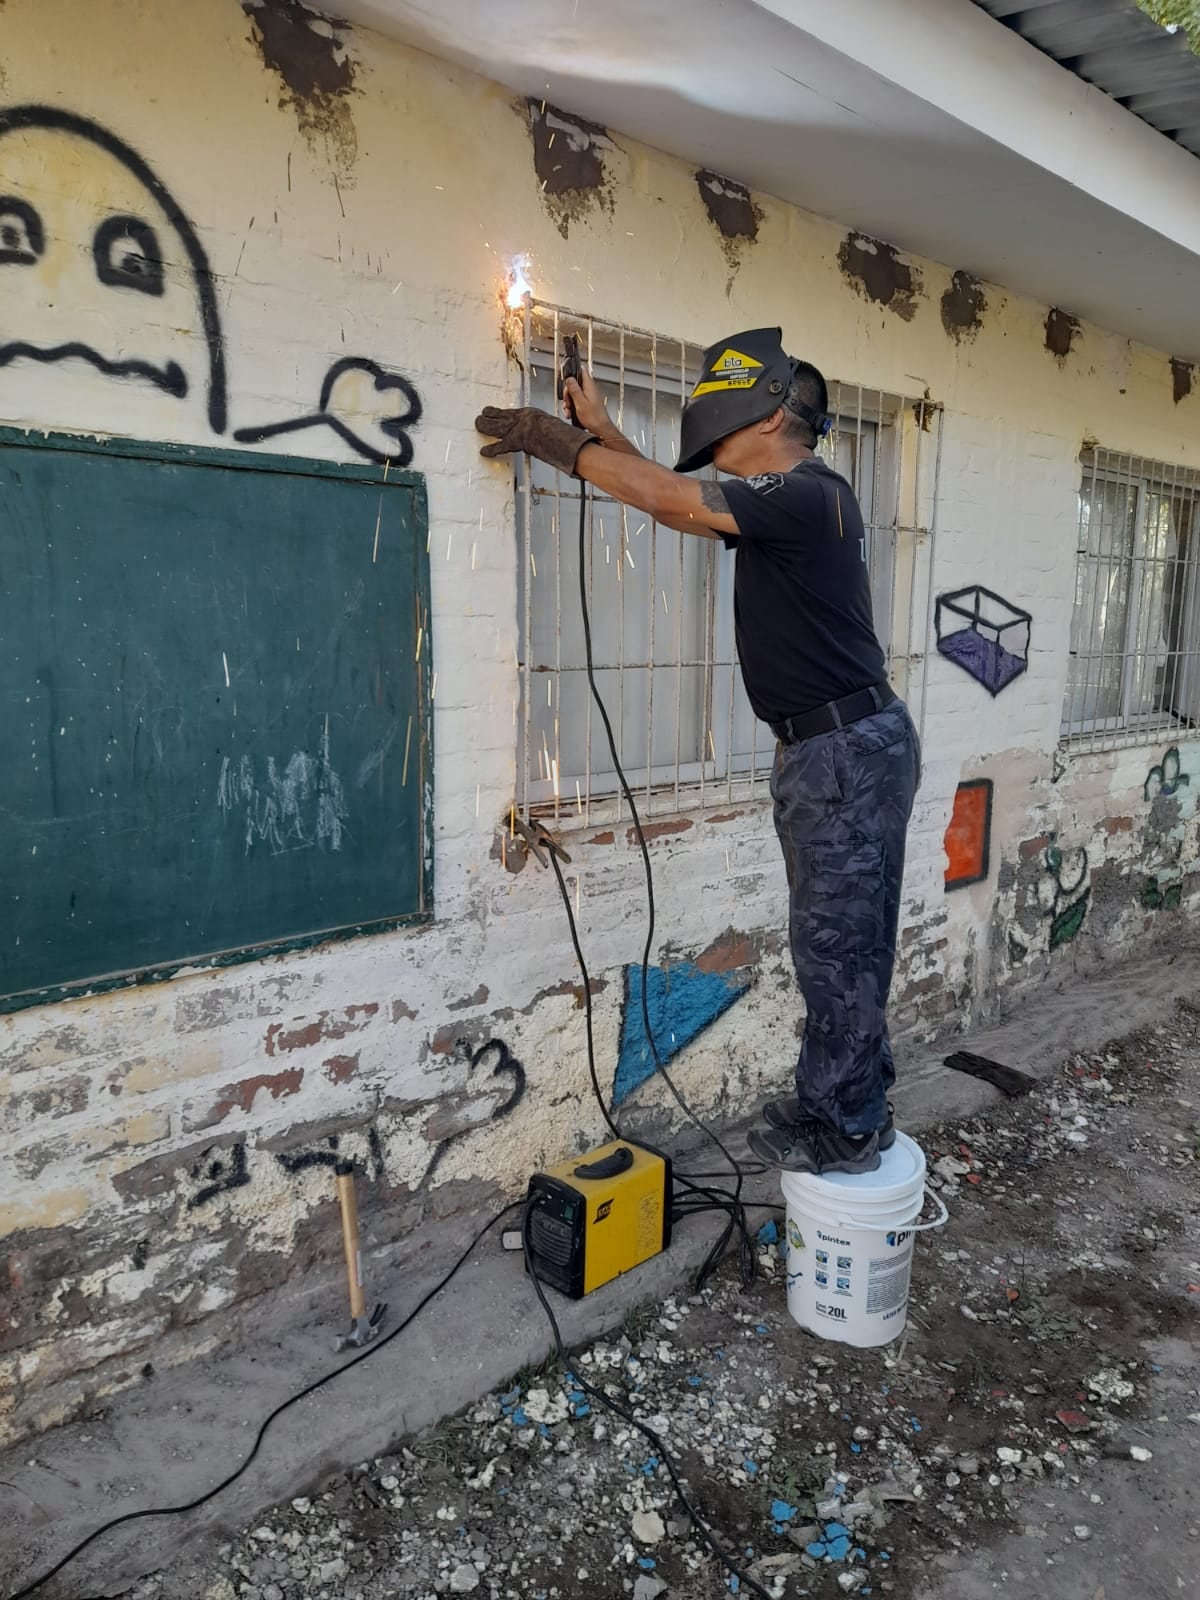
{"points": [[535, 432]]}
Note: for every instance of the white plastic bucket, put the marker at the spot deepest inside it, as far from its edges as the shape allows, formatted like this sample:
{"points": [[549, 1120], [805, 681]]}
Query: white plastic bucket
{"points": [[850, 1240]]}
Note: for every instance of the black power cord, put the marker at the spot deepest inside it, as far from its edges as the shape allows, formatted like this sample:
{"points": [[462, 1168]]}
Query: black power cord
{"points": [[721, 1200], [626, 1415], [711, 1199], [302, 1394], [705, 1199]]}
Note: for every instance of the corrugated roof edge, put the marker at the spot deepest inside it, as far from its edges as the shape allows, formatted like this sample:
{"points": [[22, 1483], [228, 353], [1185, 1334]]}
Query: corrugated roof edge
{"points": [[1115, 46]]}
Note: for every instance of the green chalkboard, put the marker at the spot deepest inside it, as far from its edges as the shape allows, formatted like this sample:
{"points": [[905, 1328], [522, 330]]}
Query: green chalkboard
{"points": [[215, 731]]}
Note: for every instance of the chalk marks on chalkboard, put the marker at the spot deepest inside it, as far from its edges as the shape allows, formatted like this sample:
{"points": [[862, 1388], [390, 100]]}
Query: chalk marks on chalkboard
{"points": [[372, 762], [129, 291], [301, 807]]}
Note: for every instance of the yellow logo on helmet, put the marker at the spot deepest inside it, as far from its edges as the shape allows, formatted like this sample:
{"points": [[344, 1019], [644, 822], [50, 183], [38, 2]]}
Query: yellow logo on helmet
{"points": [[731, 370]]}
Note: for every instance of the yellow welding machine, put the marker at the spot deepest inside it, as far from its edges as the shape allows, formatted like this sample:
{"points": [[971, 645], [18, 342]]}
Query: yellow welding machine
{"points": [[596, 1216]]}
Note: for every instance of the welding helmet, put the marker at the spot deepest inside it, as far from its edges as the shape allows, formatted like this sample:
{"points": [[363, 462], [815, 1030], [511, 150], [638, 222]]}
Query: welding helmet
{"points": [[743, 379]]}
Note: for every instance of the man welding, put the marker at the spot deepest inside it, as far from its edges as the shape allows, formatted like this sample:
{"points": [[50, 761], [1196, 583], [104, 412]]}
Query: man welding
{"points": [[847, 761]]}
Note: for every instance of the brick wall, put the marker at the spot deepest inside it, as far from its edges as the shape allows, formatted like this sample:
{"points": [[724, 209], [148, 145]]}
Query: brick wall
{"points": [[167, 1150]]}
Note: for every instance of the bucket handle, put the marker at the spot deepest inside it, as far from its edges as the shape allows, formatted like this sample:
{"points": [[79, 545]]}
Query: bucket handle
{"points": [[914, 1226], [939, 1221]]}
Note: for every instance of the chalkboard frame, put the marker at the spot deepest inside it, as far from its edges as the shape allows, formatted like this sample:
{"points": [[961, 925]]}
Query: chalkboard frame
{"points": [[205, 456]]}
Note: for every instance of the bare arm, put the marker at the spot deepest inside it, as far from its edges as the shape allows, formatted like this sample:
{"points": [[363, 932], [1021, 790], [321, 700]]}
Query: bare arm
{"points": [[688, 505], [680, 503]]}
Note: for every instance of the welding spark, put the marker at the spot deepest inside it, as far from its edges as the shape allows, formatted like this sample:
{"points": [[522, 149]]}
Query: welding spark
{"points": [[518, 283]]}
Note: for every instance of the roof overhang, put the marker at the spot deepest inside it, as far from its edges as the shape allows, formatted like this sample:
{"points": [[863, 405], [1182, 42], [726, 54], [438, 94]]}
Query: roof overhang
{"points": [[1150, 70], [927, 124]]}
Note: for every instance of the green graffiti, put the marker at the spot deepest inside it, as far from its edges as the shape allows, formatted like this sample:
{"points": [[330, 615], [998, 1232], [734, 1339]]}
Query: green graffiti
{"points": [[1068, 923], [1156, 898]]}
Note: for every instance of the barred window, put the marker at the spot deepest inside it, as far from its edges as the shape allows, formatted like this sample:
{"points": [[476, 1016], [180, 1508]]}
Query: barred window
{"points": [[661, 602], [1135, 635]]}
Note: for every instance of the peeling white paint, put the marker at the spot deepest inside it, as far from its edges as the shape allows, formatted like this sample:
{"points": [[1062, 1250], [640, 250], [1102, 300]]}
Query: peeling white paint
{"points": [[276, 1056]]}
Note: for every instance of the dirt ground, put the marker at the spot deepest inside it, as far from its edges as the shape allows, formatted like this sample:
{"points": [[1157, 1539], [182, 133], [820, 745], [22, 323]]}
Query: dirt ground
{"points": [[1036, 1431]]}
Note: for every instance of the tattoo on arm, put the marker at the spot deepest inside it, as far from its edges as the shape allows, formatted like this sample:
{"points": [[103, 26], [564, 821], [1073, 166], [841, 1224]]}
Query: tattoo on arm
{"points": [[712, 497]]}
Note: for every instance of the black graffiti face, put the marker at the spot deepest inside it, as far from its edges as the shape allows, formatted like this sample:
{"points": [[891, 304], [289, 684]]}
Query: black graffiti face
{"points": [[101, 269], [99, 265], [128, 255], [22, 237]]}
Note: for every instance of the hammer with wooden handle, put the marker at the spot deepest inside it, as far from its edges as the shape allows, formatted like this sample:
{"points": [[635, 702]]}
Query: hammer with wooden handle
{"points": [[362, 1328]]}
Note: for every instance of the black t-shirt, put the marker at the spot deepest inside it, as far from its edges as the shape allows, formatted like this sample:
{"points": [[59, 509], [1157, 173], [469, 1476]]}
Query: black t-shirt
{"points": [[802, 592]]}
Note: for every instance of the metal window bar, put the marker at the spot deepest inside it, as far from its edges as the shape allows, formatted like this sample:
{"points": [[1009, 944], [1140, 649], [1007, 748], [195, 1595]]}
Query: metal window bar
{"points": [[1134, 672], [684, 727]]}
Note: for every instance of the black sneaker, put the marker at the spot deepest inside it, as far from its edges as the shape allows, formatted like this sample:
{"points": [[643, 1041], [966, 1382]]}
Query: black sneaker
{"points": [[784, 1114], [814, 1147]]}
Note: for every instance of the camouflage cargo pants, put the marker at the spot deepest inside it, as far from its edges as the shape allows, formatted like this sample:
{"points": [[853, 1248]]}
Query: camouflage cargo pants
{"points": [[842, 804]]}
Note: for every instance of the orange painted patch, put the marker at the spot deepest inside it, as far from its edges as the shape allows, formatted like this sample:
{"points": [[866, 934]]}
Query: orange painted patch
{"points": [[968, 836]]}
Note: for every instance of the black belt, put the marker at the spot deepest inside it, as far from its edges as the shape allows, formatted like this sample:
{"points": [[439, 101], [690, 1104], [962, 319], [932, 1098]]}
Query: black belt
{"points": [[836, 714]]}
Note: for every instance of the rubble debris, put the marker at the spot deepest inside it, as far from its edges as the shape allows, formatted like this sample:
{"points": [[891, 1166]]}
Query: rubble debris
{"points": [[826, 1469]]}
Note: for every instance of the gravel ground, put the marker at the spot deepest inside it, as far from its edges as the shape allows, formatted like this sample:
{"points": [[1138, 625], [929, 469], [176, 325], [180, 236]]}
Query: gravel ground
{"points": [[1051, 1363]]}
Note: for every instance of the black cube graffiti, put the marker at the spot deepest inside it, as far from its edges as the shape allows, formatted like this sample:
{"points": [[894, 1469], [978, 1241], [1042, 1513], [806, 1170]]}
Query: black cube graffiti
{"points": [[984, 635]]}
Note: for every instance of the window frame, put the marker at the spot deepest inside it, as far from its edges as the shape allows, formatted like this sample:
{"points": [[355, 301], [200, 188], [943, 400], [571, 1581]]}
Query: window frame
{"points": [[899, 551], [1177, 580]]}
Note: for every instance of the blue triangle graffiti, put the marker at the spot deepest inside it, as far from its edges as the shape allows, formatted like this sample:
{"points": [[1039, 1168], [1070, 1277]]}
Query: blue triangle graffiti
{"points": [[682, 1001]]}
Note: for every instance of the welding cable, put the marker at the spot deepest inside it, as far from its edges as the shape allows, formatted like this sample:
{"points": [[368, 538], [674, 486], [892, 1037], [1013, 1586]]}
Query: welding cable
{"points": [[714, 1199], [302, 1394], [626, 1415], [736, 1212]]}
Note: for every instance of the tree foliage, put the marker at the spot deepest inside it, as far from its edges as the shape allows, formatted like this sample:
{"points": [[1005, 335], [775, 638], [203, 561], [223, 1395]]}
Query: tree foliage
{"points": [[1183, 14]]}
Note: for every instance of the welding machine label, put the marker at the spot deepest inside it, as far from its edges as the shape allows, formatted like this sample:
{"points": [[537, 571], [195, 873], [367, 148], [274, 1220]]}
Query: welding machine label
{"points": [[602, 1210], [732, 370]]}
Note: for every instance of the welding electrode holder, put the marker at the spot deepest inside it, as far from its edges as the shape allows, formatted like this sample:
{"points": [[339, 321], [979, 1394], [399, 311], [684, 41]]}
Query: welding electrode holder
{"points": [[362, 1328], [572, 367]]}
